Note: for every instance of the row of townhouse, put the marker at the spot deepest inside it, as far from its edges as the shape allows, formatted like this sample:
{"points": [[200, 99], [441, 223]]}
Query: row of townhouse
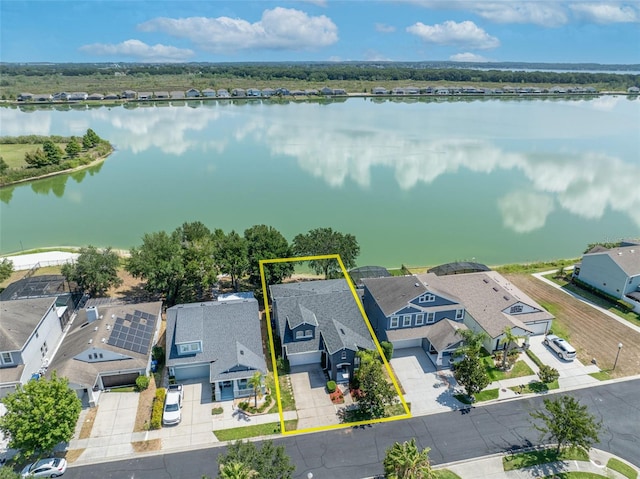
{"points": [[109, 343], [507, 90]]}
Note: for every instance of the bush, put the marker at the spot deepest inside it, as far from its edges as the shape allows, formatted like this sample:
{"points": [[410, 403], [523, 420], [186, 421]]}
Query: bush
{"points": [[158, 354], [387, 349], [142, 383], [547, 374], [158, 408], [244, 405], [331, 386], [534, 358]]}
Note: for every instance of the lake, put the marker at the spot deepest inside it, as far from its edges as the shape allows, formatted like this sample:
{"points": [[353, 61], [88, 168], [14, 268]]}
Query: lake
{"points": [[417, 182]]}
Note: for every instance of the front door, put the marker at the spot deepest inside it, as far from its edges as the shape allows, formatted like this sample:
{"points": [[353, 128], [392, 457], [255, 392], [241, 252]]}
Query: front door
{"points": [[226, 390]]}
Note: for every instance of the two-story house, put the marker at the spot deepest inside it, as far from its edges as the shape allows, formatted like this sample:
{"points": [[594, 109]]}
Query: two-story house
{"points": [[319, 322]]}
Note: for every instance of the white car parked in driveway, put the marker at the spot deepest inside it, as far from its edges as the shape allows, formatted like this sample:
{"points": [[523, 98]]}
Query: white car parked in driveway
{"points": [[562, 348], [50, 467], [173, 405]]}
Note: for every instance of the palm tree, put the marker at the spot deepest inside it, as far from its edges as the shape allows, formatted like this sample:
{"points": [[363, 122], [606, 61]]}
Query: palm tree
{"points": [[236, 470], [508, 340], [405, 461], [472, 342], [256, 383]]}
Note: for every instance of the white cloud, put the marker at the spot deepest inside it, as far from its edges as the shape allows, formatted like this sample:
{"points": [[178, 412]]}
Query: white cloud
{"points": [[605, 12], [467, 57], [375, 56], [543, 13], [382, 28], [464, 33], [280, 28], [140, 51], [319, 3], [525, 211]]}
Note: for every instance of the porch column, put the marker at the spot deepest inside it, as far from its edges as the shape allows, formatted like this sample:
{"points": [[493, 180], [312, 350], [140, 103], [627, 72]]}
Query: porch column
{"points": [[217, 386]]}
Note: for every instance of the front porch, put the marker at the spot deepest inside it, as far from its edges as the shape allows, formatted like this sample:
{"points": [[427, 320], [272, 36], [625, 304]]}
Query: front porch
{"points": [[233, 389]]}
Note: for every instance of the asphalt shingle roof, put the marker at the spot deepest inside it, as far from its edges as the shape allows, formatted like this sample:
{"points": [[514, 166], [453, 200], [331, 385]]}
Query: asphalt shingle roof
{"points": [[626, 257], [18, 320]]}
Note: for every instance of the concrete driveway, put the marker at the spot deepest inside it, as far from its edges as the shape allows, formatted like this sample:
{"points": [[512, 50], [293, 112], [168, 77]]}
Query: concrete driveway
{"points": [[572, 373], [429, 391], [312, 401]]}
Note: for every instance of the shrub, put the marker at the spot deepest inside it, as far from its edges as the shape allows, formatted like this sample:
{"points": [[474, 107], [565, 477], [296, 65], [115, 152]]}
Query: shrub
{"points": [[142, 383], [547, 374], [158, 408], [534, 358], [244, 405], [158, 354], [216, 410], [387, 349], [331, 386]]}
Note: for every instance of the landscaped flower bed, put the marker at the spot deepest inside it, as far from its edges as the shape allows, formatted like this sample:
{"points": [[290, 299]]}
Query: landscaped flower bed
{"points": [[337, 397]]}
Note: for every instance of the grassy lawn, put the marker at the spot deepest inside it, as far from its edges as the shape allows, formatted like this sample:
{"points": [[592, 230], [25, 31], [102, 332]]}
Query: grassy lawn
{"points": [[13, 154], [622, 468], [576, 475], [123, 389], [487, 395], [542, 456], [519, 369], [254, 431], [445, 474], [537, 267], [535, 387], [601, 375], [632, 317], [355, 415], [286, 393]]}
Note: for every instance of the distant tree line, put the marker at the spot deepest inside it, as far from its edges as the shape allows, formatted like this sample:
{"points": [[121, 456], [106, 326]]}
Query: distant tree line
{"points": [[381, 72]]}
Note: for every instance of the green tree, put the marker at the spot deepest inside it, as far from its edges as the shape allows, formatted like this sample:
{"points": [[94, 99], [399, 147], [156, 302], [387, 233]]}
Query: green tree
{"points": [[269, 461], [376, 392], [406, 461], [266, 242], [95, 271], [387, 349], [6, 269], [509, 340], [321, 241], [90, 139], [547, 374], [73, 148], [36, 159], [231, 257], [40, 415], [3, 166], [7, 473], [256, 383], [158, 261], [236, 470], [470, 372], [471, 342], [52, 152], [568, 423], [198, 245]]}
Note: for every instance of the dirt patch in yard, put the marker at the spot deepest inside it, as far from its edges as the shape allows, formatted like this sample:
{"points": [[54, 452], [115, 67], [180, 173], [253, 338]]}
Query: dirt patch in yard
{"points": [[147, 446], [87, 425], [131, 289], [145, 405], [72, 455], [592, 333]]}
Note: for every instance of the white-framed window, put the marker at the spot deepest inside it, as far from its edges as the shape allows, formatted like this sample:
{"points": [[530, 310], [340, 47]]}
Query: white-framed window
{"points": [[308, 333], [6, 358], [515, 309], [427, 298], [459, 313], [394, 321], [188, 348], [344, 354], [431, 317], [299, 334], [406, 320], [419, 319]]}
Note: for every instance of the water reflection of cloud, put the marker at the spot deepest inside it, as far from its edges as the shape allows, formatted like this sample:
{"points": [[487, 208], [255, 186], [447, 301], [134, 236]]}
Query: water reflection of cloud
{"points": [[525, 211], [583, 183], [139, 129], [15, 123]]}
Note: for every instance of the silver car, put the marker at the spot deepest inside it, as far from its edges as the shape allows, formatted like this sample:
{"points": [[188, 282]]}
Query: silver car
{"points": [[51, 467], [562, 348]]}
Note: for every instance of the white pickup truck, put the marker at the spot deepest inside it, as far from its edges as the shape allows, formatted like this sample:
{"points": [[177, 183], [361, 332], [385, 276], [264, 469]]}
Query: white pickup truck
{"points": [[173, 405]]}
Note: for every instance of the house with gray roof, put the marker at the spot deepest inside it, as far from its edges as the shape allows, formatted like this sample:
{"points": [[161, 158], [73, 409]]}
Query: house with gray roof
{"points": [[29, 333], [216, 341], [405, 309], [109, 345], [615, 271], [319, 322]]}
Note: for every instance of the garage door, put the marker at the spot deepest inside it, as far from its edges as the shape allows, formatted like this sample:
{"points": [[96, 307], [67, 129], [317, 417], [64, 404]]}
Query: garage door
{"points": [[407, 343], [119, 380], [195, 371], [538, 328], [301, 359]]}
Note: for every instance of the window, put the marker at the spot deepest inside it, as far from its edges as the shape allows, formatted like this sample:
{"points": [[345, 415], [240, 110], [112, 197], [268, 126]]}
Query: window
{"points": [[406, 321], [100, 355], [43, 349], [195, 347], [427, 298], [37, 335], [459, 313], [90, 356], [308, 333], [344, 354], [516, 308], [299, 334], [6, 358], [189, 348], [394, 321], [419, 319], [431, 317]]}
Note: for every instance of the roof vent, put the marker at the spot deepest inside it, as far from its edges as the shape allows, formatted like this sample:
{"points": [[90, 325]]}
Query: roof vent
{"points": [[342, 331], [108, 327], [90, 341], [495, 288], [485, 280], [103, 340], [632, 250], [96, 328], [619, 253], [417, 285], [506, 298], [242, 352]]}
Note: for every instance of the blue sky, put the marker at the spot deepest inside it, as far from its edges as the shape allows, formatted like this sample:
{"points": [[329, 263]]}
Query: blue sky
{"points": [[320, 30]]}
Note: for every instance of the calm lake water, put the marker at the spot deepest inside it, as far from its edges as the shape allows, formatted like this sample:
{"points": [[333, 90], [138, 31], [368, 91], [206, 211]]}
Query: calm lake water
{"points": [[417, 182]]}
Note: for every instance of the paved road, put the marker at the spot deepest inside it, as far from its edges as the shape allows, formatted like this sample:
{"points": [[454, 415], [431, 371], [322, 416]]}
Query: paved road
{"points": [[453, 436]]}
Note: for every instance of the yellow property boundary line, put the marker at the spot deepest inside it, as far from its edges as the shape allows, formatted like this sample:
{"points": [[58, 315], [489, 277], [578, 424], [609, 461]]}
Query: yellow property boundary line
{"points": [[407, 413]]}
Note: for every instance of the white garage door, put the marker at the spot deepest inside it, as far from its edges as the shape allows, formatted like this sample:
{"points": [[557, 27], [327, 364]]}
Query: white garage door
{"points": [[195, 371], [538, 328], [407, 343], [301, 359]]}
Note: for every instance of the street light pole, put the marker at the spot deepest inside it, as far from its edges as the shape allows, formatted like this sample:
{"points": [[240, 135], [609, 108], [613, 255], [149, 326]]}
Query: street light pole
{"points": [[617, 354]]}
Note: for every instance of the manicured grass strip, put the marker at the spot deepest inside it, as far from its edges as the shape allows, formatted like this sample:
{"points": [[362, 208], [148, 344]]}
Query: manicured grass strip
{"points": [[253, 431], [520, 369], [534, 358], [123, 389], [537, 267], [487, 395], [623, 468], [535, 387], [601, 375], [286, 393], [541, 456], [575, 475], [445, 474]]}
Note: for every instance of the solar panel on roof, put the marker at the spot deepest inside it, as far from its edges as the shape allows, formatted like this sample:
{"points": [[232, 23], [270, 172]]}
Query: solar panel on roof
{"points": [[119, 321], [128, 345]]}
